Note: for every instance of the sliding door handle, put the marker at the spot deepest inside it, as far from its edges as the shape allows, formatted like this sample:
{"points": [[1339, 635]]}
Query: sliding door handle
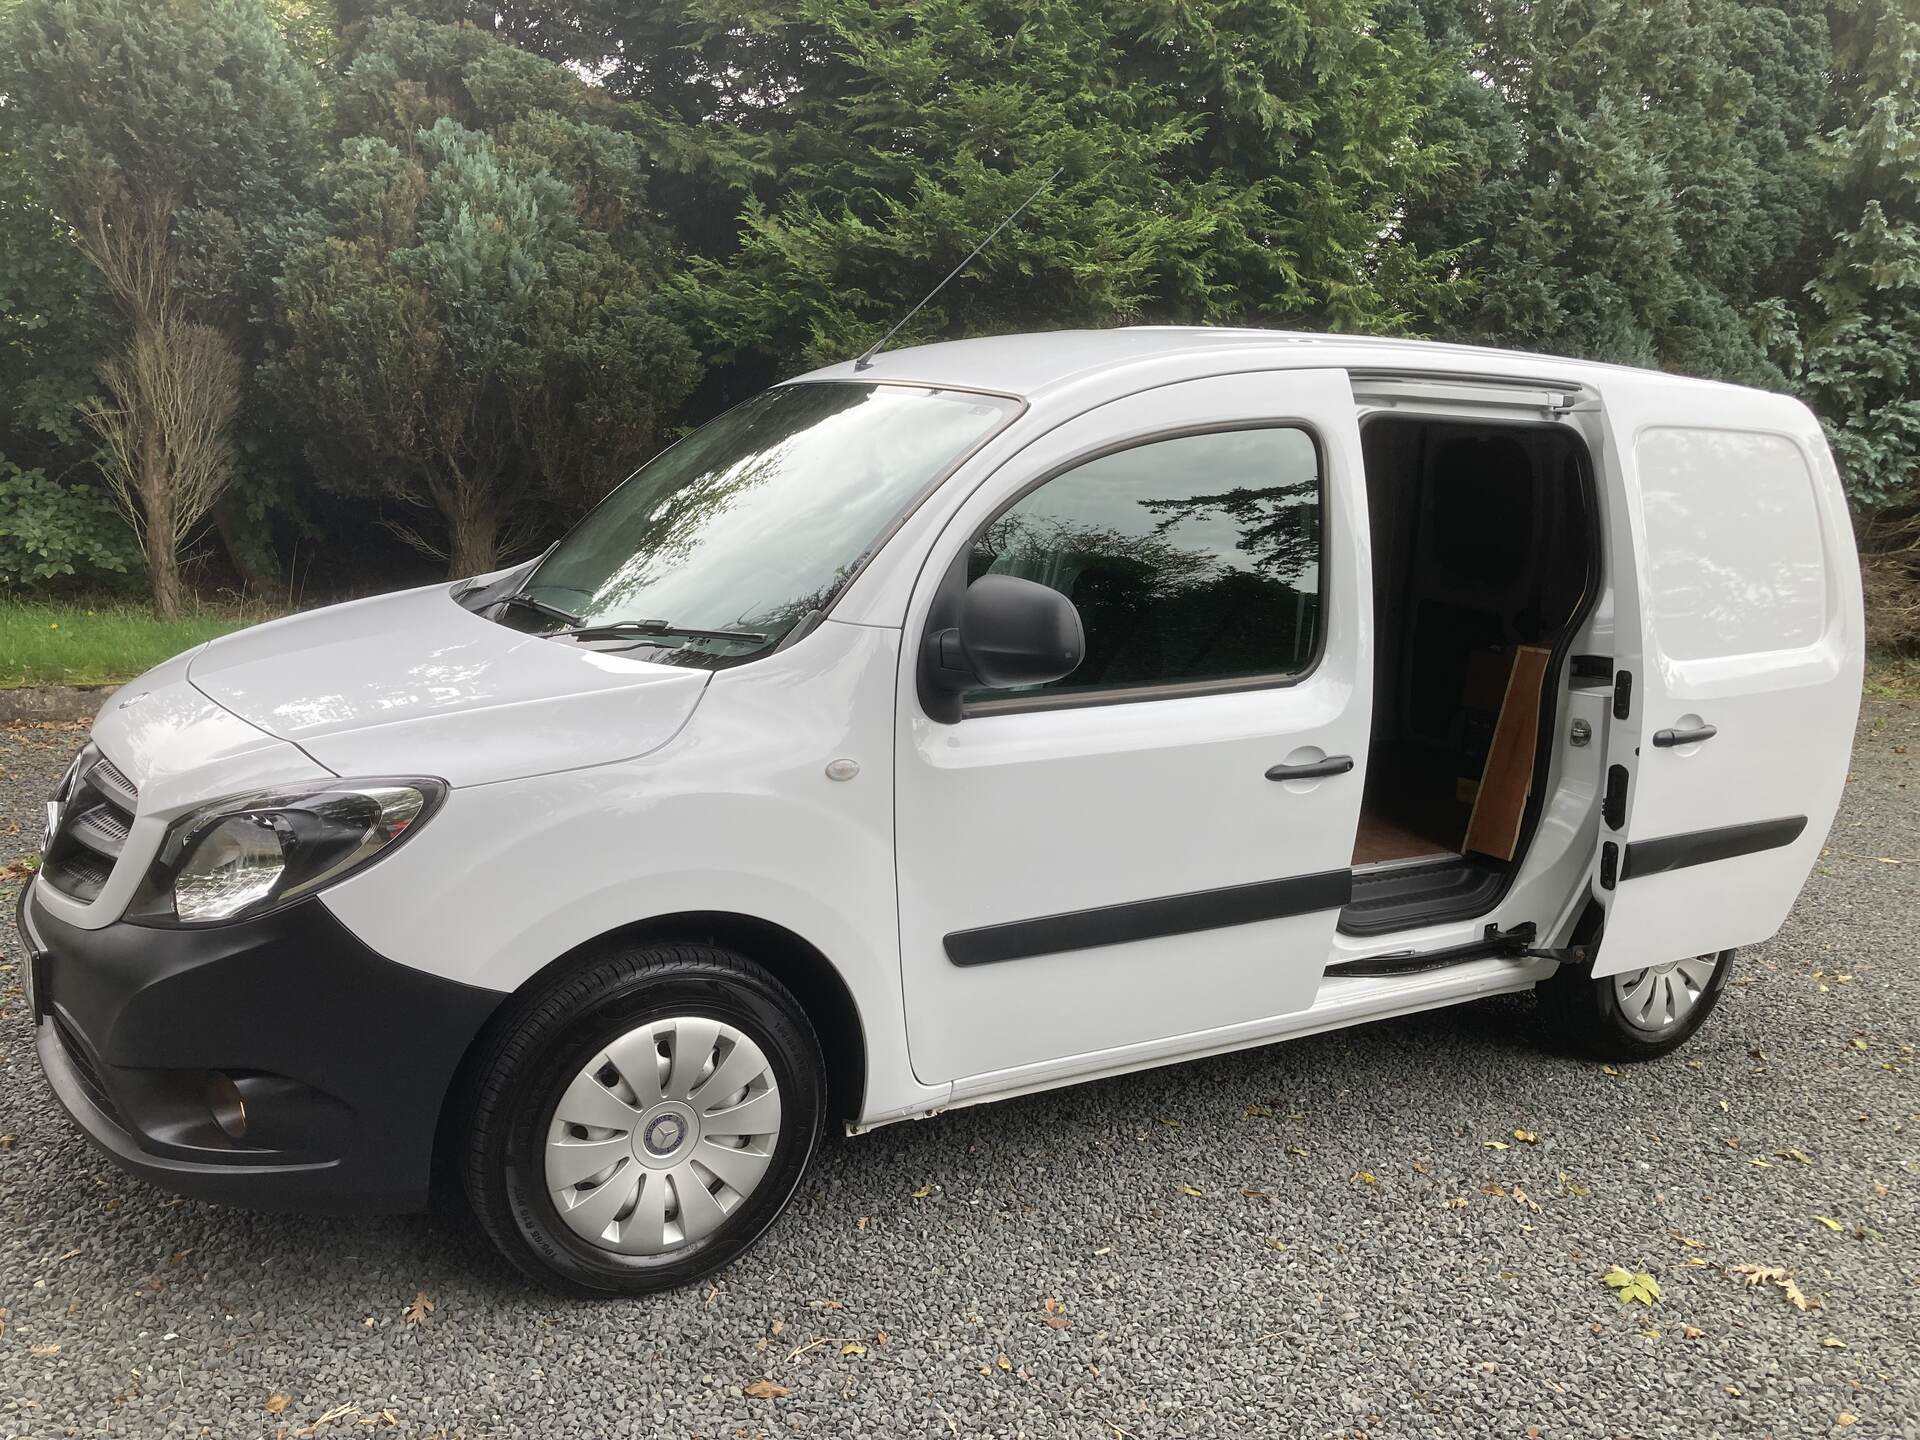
{"points": [[1668, 738], [1312, 769]]}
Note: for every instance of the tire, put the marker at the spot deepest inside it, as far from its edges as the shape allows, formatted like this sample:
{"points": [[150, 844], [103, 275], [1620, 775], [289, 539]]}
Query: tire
{"points": [[545, 1098], [1611, 1019]]}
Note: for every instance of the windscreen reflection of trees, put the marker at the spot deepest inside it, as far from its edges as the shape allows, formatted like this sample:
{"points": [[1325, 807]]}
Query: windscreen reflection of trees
{"points": [[676, 523], [1156, 610]]}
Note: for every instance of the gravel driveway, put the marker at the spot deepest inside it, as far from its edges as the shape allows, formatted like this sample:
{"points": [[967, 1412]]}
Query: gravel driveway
{"points": [[1328, 1237]]}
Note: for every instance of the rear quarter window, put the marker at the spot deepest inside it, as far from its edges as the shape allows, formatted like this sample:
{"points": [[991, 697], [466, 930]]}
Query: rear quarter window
{"points": [[1734, 552]]}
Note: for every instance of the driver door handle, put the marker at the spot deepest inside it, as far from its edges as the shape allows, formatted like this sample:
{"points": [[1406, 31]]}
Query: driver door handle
{"points": [[1312, 769], [1668, 738]]}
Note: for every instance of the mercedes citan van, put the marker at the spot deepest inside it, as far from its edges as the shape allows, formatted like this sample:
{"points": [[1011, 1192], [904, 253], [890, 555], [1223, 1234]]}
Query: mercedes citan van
{"points": [[956, 723]]}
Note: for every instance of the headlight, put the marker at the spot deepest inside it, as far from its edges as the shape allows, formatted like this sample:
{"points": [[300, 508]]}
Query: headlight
{"points": [[255, 853]]}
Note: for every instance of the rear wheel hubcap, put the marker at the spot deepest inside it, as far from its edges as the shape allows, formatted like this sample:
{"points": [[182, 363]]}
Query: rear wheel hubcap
{"points": [[1662, 996], [662, 1135]]}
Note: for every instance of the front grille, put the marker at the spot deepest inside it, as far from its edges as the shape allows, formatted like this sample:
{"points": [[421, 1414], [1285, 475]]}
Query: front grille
{"points": [[100, 805], [84, 1070]]}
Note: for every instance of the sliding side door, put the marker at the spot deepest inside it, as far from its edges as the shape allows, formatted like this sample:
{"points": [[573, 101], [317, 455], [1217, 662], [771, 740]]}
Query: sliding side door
{"points": [[1738, 655]]}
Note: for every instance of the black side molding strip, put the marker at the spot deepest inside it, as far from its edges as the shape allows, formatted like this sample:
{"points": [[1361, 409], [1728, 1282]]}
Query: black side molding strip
{"points": [[1699, 847], [1151, 919]]}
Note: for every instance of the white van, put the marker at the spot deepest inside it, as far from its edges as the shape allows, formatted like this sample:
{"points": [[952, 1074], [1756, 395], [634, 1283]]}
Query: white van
{"points": [[976, 719]]}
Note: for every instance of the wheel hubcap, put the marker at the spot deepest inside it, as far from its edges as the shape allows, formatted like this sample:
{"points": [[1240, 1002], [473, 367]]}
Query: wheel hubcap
{"points": [[662, 1135], [1661, 996]]}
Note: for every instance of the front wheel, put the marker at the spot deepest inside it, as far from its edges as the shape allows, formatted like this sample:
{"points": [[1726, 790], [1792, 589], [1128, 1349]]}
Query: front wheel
{"points": [[1638, 1014], [639, 1122]]}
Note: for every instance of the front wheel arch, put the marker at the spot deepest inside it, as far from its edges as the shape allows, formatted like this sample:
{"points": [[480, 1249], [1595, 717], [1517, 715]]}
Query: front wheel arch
{"points": [[798, 964]]}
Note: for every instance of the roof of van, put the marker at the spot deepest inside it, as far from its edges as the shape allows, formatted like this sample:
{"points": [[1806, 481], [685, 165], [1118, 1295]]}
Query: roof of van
{"points": [[1025, 365]]}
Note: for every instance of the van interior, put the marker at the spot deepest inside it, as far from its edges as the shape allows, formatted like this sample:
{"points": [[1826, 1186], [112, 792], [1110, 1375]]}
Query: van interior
{"points": [[1483, 561]]}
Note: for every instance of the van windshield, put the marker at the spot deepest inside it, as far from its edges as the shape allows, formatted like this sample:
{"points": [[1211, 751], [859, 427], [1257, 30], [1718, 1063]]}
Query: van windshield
{"points": [[721, 545]]}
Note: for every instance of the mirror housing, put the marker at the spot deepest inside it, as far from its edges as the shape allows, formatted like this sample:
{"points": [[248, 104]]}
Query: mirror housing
{"points": [[1011, 632]]}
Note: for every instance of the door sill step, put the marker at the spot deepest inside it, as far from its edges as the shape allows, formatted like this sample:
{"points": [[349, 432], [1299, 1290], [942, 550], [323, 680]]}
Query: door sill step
{"points": [[1511, 944]]}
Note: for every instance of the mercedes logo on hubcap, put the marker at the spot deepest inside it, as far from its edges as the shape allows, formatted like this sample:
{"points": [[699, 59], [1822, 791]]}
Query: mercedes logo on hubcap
{"points": [[664, 1135]]}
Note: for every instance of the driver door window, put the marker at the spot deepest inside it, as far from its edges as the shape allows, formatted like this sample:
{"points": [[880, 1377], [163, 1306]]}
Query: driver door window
{"points": [[1194, 561]]}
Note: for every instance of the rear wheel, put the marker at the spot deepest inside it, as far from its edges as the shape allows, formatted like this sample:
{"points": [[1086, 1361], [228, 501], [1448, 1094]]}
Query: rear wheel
{"points": [[639, 1122], [1639, 1014]]}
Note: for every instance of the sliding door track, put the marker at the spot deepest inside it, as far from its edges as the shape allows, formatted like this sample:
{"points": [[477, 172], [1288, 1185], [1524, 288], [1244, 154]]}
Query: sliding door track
{"points": [[1496, 944]]}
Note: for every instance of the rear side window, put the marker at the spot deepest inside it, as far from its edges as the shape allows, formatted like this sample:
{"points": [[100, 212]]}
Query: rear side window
{"points": [[1734, 551], [1193, 560]]}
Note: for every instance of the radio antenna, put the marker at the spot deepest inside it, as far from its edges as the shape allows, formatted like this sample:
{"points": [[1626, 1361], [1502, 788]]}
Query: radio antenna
{"points": [[866, 359]]}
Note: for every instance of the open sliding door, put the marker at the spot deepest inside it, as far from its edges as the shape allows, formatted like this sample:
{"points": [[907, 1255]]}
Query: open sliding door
{"points": [[1738, 645]]}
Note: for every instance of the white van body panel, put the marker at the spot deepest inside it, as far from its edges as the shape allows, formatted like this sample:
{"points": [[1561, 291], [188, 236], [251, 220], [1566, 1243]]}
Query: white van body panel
{"points": [[736, 814], [1737, 588], [592, 792], [413, 684], [1004, 818]]}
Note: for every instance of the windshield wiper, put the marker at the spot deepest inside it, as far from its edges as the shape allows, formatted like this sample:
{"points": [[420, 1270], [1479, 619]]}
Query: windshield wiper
{"points": [[615, 629], [539, 607]]}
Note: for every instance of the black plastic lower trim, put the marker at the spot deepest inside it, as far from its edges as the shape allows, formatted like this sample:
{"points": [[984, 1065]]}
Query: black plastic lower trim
{"points": [[1701, 847], [1399, 897], [342, 1057], [1151, 919]]}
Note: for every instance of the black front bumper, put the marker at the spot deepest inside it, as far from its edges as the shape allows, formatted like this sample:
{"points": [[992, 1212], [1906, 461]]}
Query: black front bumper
{"points": [[342, 1057]]}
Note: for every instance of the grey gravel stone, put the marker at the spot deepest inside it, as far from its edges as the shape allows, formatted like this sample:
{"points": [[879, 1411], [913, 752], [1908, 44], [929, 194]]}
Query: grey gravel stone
{"points": [[1292, 1297]]}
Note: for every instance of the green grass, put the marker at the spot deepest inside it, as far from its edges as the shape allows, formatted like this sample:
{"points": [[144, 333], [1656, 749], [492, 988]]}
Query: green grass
{"points": [[1896, 677], [99, 643]]}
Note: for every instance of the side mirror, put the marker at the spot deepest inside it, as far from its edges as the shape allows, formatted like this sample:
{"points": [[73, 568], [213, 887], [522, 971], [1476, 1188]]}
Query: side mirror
{"points": [[1011, 632]]}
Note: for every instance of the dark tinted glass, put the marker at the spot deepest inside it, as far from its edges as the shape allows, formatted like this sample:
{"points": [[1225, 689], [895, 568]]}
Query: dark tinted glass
{"points": [[756, 519], [1192, 559]]}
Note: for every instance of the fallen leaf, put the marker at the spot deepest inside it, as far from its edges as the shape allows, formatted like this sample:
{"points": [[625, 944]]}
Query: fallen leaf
{"points": [[7, 1142], [1496, 1145], [1259, 1112], [1458, 1202], [1830, 1224], [1365, 1177], [421, 1307], [1632, 1284], [861, 1223], [853, 1347], [1167, 1121], [1003, 1362], [1526, 1137], [1799, 1155], [1493, 1187], [45, 1350], [1834, 1342], [828, 1305], [1758, 1274], [765, 1390], [1525, 1199], [1196, 1194], [1687, 1240], [923, 1192], [1846, 1418], [276, 1403], [776, 1326], [1691, 1332]]}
